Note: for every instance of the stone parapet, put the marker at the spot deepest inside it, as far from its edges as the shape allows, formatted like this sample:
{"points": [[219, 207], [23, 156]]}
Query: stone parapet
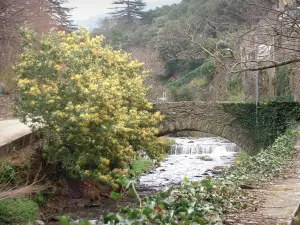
{"points": [[207, 117]]}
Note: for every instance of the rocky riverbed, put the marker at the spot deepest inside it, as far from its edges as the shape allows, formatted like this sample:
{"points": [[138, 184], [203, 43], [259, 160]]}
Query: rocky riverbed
{"points": [[193, 158]]}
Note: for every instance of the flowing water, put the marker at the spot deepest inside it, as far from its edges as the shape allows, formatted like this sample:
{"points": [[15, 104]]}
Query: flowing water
{"points": [[193, 158]]}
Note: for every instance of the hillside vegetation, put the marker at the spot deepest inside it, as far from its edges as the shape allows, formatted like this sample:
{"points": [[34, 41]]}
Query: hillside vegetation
{"points": [[172, 34]]}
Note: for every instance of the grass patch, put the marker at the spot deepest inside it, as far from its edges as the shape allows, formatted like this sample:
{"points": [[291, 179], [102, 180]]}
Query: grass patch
{"points": [[140, 166], [241, 156], [17, 211]]}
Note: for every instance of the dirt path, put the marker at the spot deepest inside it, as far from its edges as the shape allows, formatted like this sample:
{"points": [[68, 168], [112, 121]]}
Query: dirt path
{"points": [[277, 202]]}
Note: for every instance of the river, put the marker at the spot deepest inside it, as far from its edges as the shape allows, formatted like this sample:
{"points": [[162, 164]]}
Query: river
{"points": [[193, 158]]}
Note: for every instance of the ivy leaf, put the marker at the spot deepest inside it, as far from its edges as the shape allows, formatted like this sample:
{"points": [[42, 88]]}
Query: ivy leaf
{"points": [[85, 222], [133, 215], [65, 220], [147, 211], [199, 220], [116, 195]]}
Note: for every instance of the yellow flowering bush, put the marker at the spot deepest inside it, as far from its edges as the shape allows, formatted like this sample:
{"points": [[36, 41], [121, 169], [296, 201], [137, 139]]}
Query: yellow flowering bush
{"points": [[88, 100]]}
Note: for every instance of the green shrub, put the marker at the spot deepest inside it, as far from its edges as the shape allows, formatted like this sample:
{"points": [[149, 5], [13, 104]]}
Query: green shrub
{"points": [[181, 94], [141, 165], [241, 156], [264, 165], [187, 78], [235, 84], [208, 69], [198, 83], [17, 211], [205, 72], [7, 173], [180, 66], [237, 97], [40, 199], [90, 100], [235, 89]]}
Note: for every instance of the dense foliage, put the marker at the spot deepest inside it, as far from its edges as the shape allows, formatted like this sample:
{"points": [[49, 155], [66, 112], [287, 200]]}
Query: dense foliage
{"points": [[129, 11], [17, 211], [190, 203], [160, 27], [7, 172], [140, 166], [89, 103], [205, 72], [179, 33], [40, 15], [181, 94], [208, 201], [266, 164], [61, 14], [265, 122]]}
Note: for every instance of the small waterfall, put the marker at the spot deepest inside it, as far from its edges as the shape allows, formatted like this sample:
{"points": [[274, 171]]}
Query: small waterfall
{"points": [[199, 148], [185, 160]]}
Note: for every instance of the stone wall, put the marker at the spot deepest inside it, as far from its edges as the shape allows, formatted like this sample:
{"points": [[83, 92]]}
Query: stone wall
{"points": [[204, 117]]}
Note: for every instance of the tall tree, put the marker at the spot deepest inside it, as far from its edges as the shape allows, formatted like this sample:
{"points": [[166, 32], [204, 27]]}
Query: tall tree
{"points": [[130, 11], [60, 14], [39, 15]]}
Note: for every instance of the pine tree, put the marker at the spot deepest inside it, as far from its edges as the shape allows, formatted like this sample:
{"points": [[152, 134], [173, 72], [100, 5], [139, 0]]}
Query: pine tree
{"points": [[130, 11], [60, 14]]}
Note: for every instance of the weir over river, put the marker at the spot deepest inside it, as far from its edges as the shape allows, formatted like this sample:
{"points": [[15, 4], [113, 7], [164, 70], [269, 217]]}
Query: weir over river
{"points": [[192, 158]]}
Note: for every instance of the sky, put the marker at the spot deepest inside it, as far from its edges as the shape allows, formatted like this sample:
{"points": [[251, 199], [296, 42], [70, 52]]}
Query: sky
{"points": [[86, 9]]}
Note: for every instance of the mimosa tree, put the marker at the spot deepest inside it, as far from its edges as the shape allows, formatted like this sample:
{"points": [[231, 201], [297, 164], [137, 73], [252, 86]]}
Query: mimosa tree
{"points": [[88, 101]]}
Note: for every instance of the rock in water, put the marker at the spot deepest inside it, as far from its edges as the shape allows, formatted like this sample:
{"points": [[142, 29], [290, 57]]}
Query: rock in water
{"points": [[39, 222]]}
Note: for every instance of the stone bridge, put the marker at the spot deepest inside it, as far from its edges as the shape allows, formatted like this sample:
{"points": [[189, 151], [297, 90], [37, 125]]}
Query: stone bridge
{"points": [[205, 117]]}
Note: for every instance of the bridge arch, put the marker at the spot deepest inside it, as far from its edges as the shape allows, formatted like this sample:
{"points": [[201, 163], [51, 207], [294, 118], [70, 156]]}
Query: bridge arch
{"points": [[204, 117]]}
